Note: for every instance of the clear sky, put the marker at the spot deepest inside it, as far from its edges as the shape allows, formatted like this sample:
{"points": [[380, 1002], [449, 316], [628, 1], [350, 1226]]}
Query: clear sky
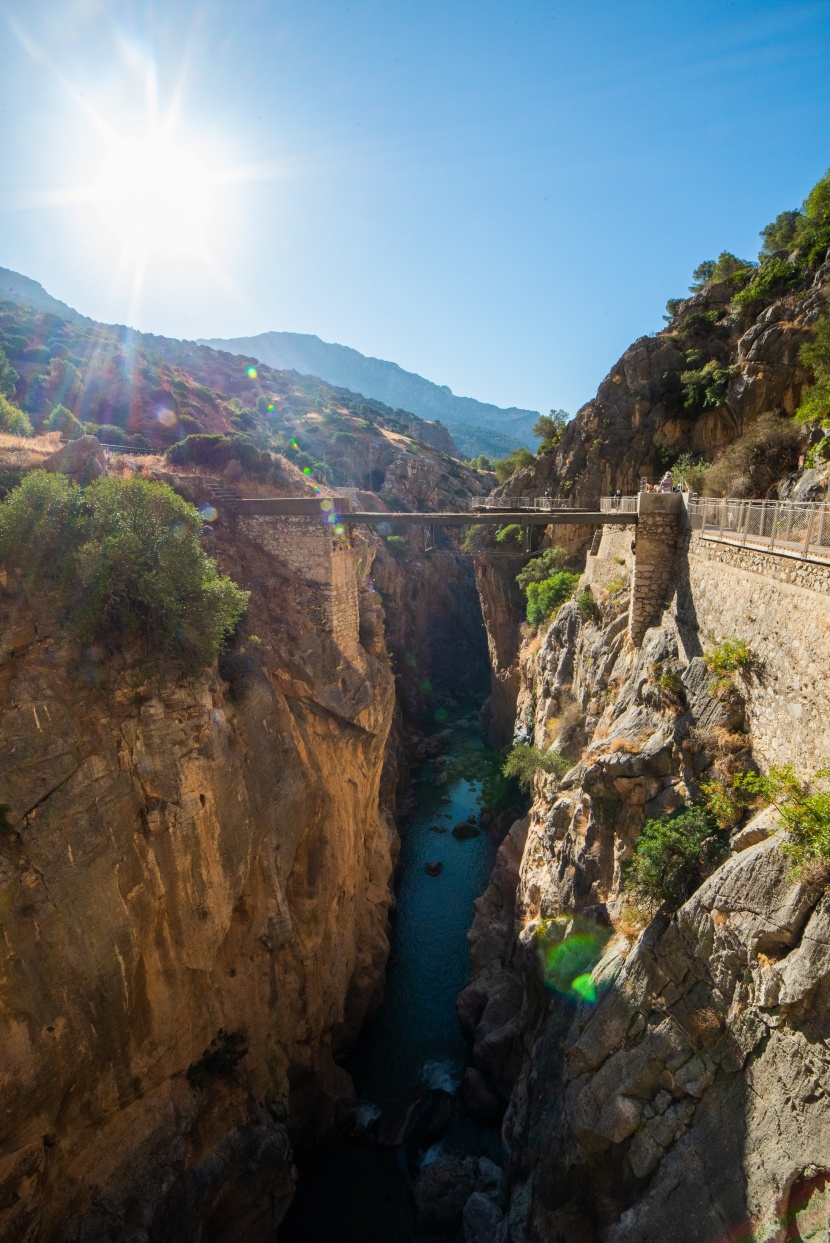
{"points": [[500, 196]]}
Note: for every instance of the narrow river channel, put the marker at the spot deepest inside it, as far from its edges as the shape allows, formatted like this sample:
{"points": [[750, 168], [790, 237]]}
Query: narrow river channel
{"points": [[358, 1192]]}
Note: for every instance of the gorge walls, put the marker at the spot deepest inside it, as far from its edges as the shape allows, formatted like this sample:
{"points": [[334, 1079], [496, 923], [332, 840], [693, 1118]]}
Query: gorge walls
{"points": [[682, 1098], [194, 886]]}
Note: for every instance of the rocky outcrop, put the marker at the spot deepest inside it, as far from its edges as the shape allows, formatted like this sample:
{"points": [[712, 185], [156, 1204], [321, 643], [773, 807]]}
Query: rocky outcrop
{"points": [[635, 419], [502, 609], [194, 886], [690, 1098]]}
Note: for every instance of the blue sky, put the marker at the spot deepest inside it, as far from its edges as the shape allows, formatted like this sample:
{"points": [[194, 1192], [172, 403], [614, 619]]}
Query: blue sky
{"points": [[498, 196]]}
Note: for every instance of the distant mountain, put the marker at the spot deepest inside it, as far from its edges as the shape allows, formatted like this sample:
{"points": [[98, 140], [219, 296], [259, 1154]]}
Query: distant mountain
{"points": [[17, 288], [475, 426]]}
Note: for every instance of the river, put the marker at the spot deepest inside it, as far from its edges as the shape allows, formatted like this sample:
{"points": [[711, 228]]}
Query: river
{"points": [[357, 1192]]}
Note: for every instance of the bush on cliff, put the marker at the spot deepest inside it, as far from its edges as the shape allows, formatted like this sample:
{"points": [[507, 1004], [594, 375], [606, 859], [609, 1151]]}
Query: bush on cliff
{"points": [[815, 406], [804, 806], [122, 562], [525, 761], [544, 597], [752, 465], [518, 459], [673, 855]]}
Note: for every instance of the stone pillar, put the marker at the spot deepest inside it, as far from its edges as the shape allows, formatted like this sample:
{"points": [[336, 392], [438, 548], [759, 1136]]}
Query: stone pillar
{"points": [[324, 560], [658, 530]]}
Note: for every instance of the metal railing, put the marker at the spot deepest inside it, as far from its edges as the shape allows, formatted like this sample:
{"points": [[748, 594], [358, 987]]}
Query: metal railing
{"points": [[543, 504], [618, 504], [792, 528]]}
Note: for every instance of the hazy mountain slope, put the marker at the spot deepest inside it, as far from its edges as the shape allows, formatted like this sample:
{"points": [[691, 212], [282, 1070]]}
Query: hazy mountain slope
{"points": [[17, 288], [476, 426]]}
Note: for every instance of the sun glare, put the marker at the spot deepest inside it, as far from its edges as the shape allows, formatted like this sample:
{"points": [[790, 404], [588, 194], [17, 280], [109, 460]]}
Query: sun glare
{"points": [[155, 195]]}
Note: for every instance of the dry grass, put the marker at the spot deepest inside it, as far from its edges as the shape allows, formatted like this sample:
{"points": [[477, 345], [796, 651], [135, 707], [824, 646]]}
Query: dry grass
{"points": [[26, 452]]}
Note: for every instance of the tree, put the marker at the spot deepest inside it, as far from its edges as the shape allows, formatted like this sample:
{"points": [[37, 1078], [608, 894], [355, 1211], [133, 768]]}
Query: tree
{"points": [[64, 421], [549, 429], [725, 268], [8, 376], [518, 459], [121, 560], [780, 235], [12, 420]]}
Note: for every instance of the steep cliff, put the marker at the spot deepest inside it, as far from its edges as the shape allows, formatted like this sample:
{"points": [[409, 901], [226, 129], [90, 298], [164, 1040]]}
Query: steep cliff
{"points": [[682, 1096], [195, 877], [695, 387]]}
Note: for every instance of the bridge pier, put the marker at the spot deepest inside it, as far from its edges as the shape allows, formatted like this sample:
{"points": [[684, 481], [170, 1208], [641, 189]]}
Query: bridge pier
{"points": [[659, 521]]}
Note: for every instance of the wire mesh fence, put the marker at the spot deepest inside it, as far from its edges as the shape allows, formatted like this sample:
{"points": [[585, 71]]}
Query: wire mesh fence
{"points": [[799, 528], [618, 504]]}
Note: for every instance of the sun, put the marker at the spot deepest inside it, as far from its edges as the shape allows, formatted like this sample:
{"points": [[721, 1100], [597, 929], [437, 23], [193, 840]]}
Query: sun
{"points": [[156, 194]]}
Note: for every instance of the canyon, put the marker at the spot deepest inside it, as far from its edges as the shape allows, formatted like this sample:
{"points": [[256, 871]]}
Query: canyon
{"points": [[198, 869]]}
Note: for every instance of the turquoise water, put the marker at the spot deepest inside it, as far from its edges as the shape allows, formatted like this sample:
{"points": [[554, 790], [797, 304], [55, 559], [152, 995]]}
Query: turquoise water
{"points": [[415, 1036], [358, 1192]]}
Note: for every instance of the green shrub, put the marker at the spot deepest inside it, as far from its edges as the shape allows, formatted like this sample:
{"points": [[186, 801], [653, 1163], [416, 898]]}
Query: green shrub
{"points": [[512, 532], [64, 421], [699, 323], [542, 567], [774, 277], [121, 560], [397, 545], [544, 597], [815, 406], [8, 376], [670, 681], [586, 604], [687, 470], [12, 419], [804, 807], [518, 459], [672, 307], [525, 761], [728, 656], [673, 855], [781, 234]]}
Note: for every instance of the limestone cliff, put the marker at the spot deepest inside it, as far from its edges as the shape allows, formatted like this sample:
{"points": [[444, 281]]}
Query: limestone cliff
{"points": [[642, 416], [195, 879], [686, 1102]]}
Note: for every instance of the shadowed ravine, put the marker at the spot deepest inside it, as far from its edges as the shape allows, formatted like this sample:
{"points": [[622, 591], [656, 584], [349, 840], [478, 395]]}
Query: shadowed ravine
{"points": [[358, 1191]]}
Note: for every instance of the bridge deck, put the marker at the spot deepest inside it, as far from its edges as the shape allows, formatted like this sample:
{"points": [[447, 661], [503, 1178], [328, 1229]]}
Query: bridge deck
{"points": [[290, 507]]}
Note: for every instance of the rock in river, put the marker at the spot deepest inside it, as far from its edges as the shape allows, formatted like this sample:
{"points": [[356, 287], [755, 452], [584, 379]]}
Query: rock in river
{"points": [[434, 868]]}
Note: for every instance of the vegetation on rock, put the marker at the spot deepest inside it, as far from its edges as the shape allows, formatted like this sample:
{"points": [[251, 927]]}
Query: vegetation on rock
{"points": [[525, 761], [673, 855], [121, 561]]}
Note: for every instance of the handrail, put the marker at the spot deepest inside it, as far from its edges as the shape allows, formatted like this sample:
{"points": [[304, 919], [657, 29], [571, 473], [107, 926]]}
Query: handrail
{"points": [[618, 504], [789, 528], [543, 504]]}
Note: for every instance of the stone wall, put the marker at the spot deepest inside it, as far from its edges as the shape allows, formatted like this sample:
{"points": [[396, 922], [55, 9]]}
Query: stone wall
{"points": [[325, 560], [781, 607], [614, 558], [658, 528]]}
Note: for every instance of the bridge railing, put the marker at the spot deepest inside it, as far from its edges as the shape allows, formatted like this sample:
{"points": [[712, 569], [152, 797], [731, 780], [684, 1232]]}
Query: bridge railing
{"points": [[541, 504], [618, 505], [794, 528]]}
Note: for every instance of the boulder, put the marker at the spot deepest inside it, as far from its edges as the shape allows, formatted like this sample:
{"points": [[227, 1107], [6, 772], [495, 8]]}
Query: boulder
{"points": [[440, 1192], [463, 831], [478, 1098], [417, 1119], [82, 460], [433, 868]]}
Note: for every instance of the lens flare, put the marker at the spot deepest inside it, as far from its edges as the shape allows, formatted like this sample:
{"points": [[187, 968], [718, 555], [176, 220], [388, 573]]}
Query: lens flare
{"points": [[252, 375], [569, 949], [166, 417], [207, 513]]}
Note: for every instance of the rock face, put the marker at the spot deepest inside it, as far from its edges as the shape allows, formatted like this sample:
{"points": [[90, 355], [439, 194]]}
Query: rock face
{"points": [[686, 1100], [194, 877], [691, 1104], [618, 436]]}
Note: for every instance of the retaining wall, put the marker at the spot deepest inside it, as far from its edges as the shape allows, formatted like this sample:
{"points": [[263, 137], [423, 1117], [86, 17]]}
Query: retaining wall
{"points": [[781, 608]]}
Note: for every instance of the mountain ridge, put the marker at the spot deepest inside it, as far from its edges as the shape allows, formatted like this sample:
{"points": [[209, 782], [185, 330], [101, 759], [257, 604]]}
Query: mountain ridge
{"points": [[475, 426]]}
